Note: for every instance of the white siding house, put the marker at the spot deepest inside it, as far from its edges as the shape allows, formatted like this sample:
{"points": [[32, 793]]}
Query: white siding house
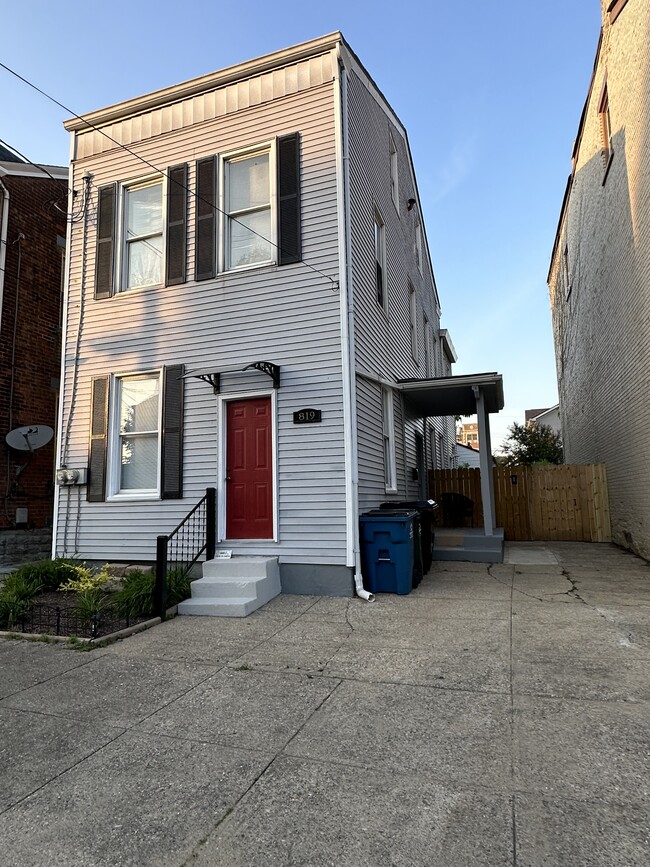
{"points": [[267, 215]]}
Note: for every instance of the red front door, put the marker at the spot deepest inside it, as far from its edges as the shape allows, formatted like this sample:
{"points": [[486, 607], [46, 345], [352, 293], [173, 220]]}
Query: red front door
{"points": [[249, 469]]}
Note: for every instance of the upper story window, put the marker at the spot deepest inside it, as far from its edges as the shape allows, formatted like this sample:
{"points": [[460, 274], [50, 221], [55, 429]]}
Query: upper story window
{"points": [[418, 245], [143, 235], [394, 187], [605, 128], [248, 212], [380, 261], [413, 322], [428, 349]]}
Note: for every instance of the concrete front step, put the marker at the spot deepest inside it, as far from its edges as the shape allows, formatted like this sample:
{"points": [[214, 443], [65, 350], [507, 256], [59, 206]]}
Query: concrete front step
{"points": [[234, 587]]}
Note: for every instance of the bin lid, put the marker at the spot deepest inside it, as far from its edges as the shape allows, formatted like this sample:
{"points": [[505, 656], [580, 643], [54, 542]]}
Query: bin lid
{"points": [[389, 513], [420, 505]]}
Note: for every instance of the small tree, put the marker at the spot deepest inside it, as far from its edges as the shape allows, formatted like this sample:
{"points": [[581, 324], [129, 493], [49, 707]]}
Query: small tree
{"points": [[537, 444]]}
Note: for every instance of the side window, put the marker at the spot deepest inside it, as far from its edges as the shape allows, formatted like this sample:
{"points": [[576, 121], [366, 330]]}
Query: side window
{"points": [[247, 207], [388, 425], [394, 184], [380, 261], [413, 322]]}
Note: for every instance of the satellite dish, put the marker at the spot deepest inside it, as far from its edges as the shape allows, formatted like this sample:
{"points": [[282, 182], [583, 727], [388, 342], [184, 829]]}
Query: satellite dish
{"points": [[30, 437]]}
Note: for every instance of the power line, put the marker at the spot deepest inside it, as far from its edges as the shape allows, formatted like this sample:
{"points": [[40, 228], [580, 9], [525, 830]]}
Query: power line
{"points": [[163, 172]]}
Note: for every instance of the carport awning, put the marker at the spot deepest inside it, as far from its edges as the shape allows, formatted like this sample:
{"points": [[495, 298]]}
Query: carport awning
{"points": [[452, 395]]}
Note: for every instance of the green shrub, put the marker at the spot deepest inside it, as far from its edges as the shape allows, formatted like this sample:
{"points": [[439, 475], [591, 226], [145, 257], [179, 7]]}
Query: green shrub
{"points": [[15, 595], [90, 603], [49, 574], [135, 597], [178, 586], [83, 579]]}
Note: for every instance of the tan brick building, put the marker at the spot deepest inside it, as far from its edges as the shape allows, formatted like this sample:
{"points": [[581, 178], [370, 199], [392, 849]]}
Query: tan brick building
{"points": [[599, 277]]}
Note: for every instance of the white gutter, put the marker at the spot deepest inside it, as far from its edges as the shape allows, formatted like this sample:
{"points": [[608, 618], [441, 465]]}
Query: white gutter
{"points": [[4, 220], [64, 338], [346, 299]]}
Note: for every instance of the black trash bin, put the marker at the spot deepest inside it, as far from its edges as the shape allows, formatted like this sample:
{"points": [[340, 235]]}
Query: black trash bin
{"points": [[426, 511]]}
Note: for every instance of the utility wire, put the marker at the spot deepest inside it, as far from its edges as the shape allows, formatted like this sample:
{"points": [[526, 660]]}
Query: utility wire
{"points": [[158, 170]]}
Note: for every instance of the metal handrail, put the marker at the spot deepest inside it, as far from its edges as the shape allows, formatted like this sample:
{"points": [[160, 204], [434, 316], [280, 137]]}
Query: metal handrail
{"points": [[201, 530]]}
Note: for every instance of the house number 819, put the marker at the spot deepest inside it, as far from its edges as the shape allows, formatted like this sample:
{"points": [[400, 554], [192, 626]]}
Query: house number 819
{"points": [[307, 416]]}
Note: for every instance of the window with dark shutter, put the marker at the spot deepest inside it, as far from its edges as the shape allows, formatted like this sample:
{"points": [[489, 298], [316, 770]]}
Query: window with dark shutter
{"points": [[205, 242], [172, 433], [289, 231], [96, 490], [104, 256], [176, 225]]}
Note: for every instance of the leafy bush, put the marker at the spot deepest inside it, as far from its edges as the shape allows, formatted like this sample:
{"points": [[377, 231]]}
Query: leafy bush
{"points": [[84, 579], [135, 597], [15, 595], [178, 586], [49, 574], [90, 603]]}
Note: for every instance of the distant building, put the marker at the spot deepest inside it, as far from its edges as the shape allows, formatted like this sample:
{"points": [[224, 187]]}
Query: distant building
{"points": [[33, 207], [467, 434], [599, 278], [549, 416]]}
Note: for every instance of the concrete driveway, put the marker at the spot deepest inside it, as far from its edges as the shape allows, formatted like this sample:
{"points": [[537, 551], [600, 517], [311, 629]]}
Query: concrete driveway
{"points": [[496, 716]]}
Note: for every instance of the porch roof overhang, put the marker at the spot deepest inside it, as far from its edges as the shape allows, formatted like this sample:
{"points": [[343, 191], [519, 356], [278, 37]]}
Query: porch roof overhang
{"points": [[212, 375], [452, 395]]}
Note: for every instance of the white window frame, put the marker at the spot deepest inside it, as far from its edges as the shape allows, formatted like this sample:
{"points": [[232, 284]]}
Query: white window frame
{"points": [[122, 241], [413, 323], [429, 362], [379, 246], [114, 445], [225, 159], [418, 245], [388, 440], [394, 174]]}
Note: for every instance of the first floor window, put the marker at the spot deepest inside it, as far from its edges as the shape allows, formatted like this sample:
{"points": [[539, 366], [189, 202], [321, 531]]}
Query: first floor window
{"points": [[390, 475], [143, 235], [136, 425]]}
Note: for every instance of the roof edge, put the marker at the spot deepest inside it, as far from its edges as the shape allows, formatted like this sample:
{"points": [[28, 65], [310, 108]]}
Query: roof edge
{"points": [[194, 86]]}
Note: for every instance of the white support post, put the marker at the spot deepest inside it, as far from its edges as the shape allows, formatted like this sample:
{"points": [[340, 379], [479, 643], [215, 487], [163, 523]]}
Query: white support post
{"points": [[485, 457]]}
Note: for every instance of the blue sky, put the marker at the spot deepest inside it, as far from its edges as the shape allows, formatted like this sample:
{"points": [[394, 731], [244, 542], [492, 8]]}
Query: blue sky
{"points": [[490, 93]]}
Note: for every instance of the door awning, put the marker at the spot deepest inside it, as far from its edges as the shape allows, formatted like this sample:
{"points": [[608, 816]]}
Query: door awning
{"points": [[212, 375], [452, 395]]}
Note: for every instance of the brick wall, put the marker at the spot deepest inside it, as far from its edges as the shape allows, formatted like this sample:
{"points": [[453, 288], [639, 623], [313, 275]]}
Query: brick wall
{"points": [[600, 281], [33, 280]]}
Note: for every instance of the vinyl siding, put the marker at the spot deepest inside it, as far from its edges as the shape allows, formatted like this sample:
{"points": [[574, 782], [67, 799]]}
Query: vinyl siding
{"points": [[287, 315], [383, 342]]}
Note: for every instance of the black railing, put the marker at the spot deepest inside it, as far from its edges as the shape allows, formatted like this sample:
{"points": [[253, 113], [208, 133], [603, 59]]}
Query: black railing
{"points": [[180, 549], [39, 618]]}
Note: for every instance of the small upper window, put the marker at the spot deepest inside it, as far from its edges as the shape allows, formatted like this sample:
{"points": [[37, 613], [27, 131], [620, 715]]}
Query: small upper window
{"points": [[248, 211], [143, 235], [413, 322], [394, 188], [605, 127], [380, 261], [418, 245]]}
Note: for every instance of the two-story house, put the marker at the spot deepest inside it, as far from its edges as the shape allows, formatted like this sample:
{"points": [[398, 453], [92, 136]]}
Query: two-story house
{"points": [[599, 278], [33, 205], [250, 298]]}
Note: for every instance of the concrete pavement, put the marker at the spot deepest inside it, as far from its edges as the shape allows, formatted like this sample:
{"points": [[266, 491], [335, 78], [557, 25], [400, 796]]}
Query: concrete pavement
{"points": [[498, 715]]}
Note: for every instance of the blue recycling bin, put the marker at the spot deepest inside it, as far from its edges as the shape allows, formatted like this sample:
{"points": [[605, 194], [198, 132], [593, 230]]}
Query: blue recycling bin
{"points": [[387, 539]]}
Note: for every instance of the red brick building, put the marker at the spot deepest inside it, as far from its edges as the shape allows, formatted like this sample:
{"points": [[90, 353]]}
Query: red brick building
{"points": [[32, 245]]}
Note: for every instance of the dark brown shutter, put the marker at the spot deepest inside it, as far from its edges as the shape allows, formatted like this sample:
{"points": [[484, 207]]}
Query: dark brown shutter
{"points": [[96, 490], [172, 433], [105, 252], [289, 199], [206, 213], [176, 225]]}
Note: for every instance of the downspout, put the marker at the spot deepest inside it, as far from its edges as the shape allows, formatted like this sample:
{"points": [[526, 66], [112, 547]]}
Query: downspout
{"points": [[346, 298], [4, 221]]}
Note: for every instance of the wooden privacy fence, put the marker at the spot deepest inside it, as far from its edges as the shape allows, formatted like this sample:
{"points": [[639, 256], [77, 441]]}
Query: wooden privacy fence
{"points": [[567, 502]]}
